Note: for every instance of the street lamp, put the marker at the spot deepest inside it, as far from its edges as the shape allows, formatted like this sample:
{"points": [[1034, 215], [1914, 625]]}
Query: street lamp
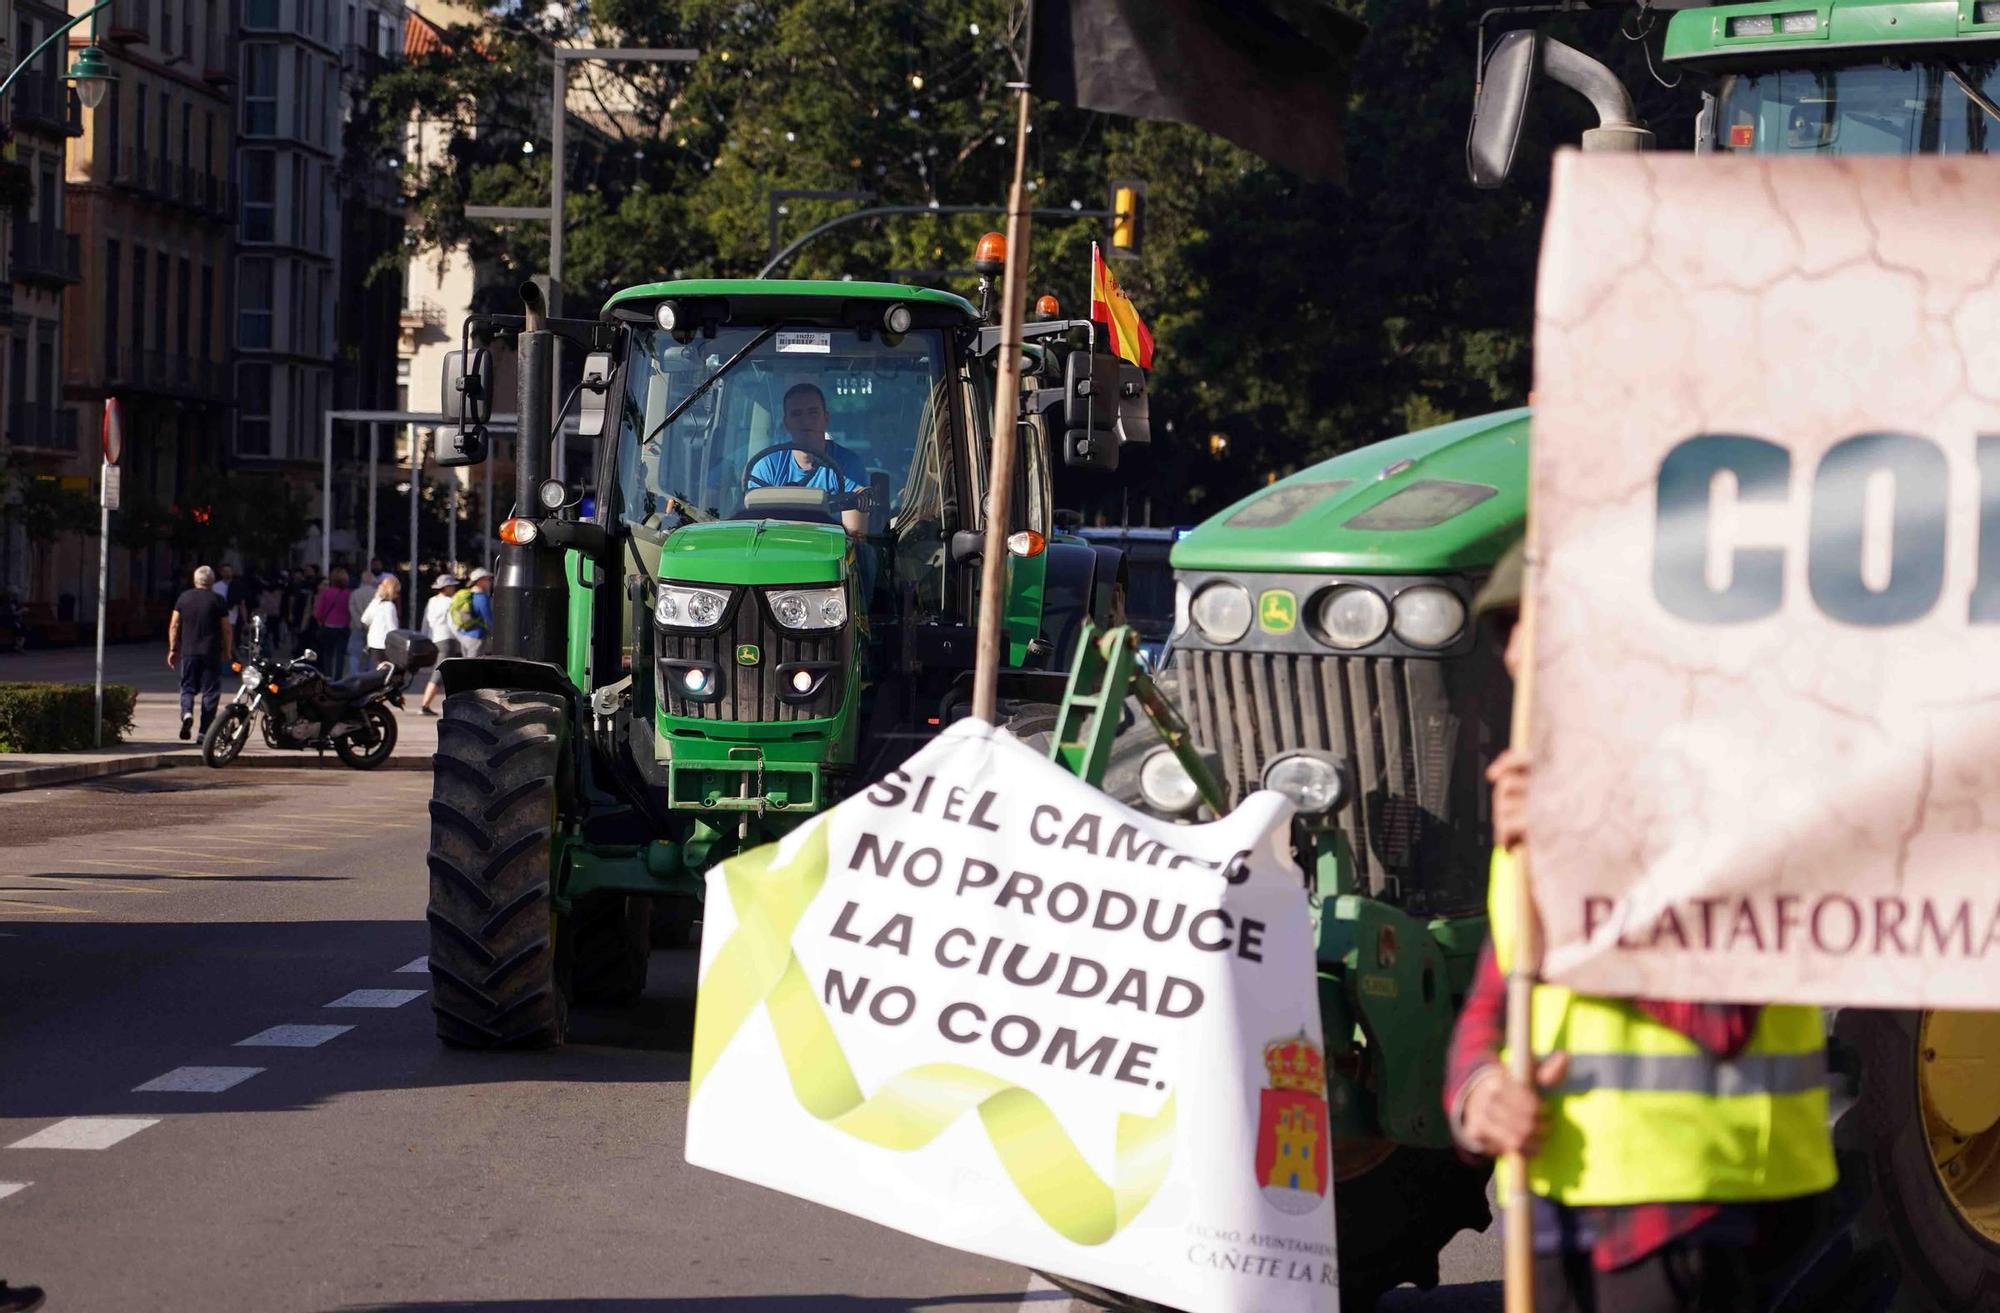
{"points": [[92, 75], [91, 72]]}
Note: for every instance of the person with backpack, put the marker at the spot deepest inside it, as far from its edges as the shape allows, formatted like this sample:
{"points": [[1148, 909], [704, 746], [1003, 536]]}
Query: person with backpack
{"points": [[472, 613], [438, 624]]}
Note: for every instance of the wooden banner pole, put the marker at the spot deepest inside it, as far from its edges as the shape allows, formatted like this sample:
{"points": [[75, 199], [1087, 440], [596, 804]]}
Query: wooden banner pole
{"points": [[1519, 1256], [1006, 435]]}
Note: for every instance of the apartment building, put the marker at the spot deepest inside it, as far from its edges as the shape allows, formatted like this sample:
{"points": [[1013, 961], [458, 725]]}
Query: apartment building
{"points": [[149, 217]]}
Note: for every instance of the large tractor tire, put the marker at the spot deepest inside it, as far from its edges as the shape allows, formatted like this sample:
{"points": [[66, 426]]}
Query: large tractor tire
{"points": [[496, 981], [610, 945], [1916, 1225]]}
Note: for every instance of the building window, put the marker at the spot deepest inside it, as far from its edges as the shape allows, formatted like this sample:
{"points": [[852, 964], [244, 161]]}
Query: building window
{"points": [[253, 294], [253, 401], [186, 285], [302, 91], [260, 195], [138, 308], [166, 26], [205, 345], [260, 13], [111, 290], [260, 90], [187, 132], [113, 167], [299, 194], [138, 174], [163, 266]]}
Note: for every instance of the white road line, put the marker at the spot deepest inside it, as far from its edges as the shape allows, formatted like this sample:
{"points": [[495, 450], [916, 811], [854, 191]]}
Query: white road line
{"points": [[292, 1037], [197, 1080], [376, 998], [85, 1133], [413, 966], [13, 1187]]}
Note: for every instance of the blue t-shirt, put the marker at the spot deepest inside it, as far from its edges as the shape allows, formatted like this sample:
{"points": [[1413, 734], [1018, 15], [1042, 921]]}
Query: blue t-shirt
{"points": [[840, 471]]}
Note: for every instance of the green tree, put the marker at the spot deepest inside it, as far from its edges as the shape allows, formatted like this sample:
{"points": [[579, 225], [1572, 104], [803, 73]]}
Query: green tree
{"points": [[1295, 320]]}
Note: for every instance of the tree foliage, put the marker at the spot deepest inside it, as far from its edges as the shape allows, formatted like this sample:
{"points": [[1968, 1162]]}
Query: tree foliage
{"points": [[1294, 319]]}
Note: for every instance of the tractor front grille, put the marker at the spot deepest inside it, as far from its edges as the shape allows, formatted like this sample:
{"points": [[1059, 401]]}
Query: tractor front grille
{"points": [[1417, 734], [751, 692]]}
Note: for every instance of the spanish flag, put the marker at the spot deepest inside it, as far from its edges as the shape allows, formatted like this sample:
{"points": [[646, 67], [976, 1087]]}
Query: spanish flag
{"points": [[1113, 309]]}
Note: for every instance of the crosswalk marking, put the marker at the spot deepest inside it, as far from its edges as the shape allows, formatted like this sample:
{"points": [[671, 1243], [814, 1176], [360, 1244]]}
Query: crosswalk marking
{"points": [[376, 998], [413, 966], [13, 1187], [197, 1080], [292, 1037], [85, 1133]]}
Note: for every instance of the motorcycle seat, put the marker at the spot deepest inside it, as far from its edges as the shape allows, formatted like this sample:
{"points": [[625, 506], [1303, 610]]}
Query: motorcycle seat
{"points": [[361, 685]]}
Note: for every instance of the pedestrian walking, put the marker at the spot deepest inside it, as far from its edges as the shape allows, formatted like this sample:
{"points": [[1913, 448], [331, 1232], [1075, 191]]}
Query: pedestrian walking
{"points": [[472, 613], [359, 598], [331, 622], [1668, 1142], [381, 615], [199, 638], [300, 593], [437, 623]]}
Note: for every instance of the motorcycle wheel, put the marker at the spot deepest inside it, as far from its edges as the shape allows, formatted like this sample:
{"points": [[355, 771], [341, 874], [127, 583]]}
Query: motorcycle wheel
{"points": [[226, 736], [363, 756]]}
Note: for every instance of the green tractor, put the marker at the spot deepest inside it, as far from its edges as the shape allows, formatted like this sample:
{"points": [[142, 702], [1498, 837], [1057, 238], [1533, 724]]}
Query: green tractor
{"points": [[1323, 647], [760, 594]]}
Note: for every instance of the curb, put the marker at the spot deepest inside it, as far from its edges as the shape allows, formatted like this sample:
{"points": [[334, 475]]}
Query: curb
{"points": [[76, 772]]}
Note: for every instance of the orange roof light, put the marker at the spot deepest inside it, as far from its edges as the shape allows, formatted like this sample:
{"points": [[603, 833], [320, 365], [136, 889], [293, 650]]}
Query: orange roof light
{"points": [[990, 256], [1048, 307], [1026, 542], [518, 531]]}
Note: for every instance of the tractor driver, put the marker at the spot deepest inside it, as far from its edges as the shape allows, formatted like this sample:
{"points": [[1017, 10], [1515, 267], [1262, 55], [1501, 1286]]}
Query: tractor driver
{"points": [[813, 461]]}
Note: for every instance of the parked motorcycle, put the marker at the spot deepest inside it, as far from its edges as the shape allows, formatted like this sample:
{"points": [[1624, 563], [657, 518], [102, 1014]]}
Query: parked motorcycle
{"points": [[300, 708]]}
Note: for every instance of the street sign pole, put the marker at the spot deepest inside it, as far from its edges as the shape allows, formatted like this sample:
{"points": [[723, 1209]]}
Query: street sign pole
{"points": [[112, 438]]}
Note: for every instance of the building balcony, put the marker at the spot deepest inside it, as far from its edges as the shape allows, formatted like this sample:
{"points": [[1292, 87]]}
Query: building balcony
{"points": [[126, 21], [164, 373], [47, 256], [35, 426], [42, 104], [133, 169]]}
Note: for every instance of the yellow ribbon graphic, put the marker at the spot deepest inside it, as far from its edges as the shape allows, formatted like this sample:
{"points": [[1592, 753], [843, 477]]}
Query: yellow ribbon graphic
{"points": [[756, 965]]}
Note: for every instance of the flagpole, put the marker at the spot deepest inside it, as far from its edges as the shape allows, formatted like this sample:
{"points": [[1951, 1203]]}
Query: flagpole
{"points": [[1006, 433]]}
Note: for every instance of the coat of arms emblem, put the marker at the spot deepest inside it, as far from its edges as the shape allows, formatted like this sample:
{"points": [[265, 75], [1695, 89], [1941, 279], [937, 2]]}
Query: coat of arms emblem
{"points": [[1292, 1126]]}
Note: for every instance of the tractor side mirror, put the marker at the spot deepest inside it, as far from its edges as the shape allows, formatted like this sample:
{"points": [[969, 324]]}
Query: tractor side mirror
{"points": [[466, 396], [1500, 112], [594, 402], [1089, 418], [1135, 422]]}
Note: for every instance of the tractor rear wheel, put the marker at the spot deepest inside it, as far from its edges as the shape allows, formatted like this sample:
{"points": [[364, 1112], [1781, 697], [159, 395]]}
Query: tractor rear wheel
{"points": [[1916, 1223], [610, 944], [495, 977]]}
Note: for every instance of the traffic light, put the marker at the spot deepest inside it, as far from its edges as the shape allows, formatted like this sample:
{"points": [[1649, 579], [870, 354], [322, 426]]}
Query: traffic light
{"points": [[1128, 217]]}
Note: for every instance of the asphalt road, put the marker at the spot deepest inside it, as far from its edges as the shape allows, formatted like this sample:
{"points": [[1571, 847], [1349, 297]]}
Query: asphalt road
{"points": [[219, 1090]]}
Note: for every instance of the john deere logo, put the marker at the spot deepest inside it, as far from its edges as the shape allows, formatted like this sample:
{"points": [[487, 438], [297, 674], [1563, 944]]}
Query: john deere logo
{"points": [[1278, 611], [747, 654]]}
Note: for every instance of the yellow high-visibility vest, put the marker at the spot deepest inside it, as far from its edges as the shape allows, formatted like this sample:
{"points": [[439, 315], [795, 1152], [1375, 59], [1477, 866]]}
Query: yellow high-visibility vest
{"points": [[1646, 1115]]}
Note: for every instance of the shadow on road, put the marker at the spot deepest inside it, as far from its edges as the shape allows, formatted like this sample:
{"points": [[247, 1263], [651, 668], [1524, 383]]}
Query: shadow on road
{"points": [[88, 1010]]}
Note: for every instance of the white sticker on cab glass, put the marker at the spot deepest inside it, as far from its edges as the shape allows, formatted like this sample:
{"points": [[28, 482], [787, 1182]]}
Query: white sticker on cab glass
{"points": [[818, 344]]}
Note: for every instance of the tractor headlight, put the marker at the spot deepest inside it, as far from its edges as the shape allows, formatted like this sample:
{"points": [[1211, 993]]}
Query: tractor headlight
{"points": [[1222, 612], [1353, 616], [1314, 784], [689, 608], [1165, 784], [809, 608], [1428, 616]]}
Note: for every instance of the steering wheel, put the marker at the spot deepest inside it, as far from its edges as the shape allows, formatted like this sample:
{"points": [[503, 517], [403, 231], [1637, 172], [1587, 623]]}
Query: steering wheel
{"points": [[836, 500]]}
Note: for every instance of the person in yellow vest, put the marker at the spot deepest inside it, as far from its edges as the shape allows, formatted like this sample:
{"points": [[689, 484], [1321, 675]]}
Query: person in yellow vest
{"points": [[1668, 1142]]}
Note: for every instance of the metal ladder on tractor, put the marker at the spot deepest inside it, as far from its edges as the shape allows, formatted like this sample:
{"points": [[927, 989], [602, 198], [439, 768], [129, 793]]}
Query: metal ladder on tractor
{"points": [[1106, 669]]}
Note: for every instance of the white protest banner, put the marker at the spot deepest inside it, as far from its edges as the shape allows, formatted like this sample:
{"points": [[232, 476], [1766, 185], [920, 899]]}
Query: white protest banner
{"points": [[983, 1003], [1766, 487]]}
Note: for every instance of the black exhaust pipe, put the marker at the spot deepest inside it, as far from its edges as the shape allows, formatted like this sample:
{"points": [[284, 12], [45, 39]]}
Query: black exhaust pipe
{"points": [[530, 596]]}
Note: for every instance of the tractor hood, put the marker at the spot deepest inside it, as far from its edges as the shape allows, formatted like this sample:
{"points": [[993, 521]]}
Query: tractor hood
{"points": [[1452, 497], [754, 552]]}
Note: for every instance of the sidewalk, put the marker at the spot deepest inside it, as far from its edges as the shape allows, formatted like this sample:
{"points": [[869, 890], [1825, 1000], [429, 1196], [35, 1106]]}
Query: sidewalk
{"points": [[154, 740]]}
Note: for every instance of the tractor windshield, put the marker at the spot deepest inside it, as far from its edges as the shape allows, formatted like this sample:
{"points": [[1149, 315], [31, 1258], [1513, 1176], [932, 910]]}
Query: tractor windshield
{"points": [[1942, 107], [827, 408]]}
